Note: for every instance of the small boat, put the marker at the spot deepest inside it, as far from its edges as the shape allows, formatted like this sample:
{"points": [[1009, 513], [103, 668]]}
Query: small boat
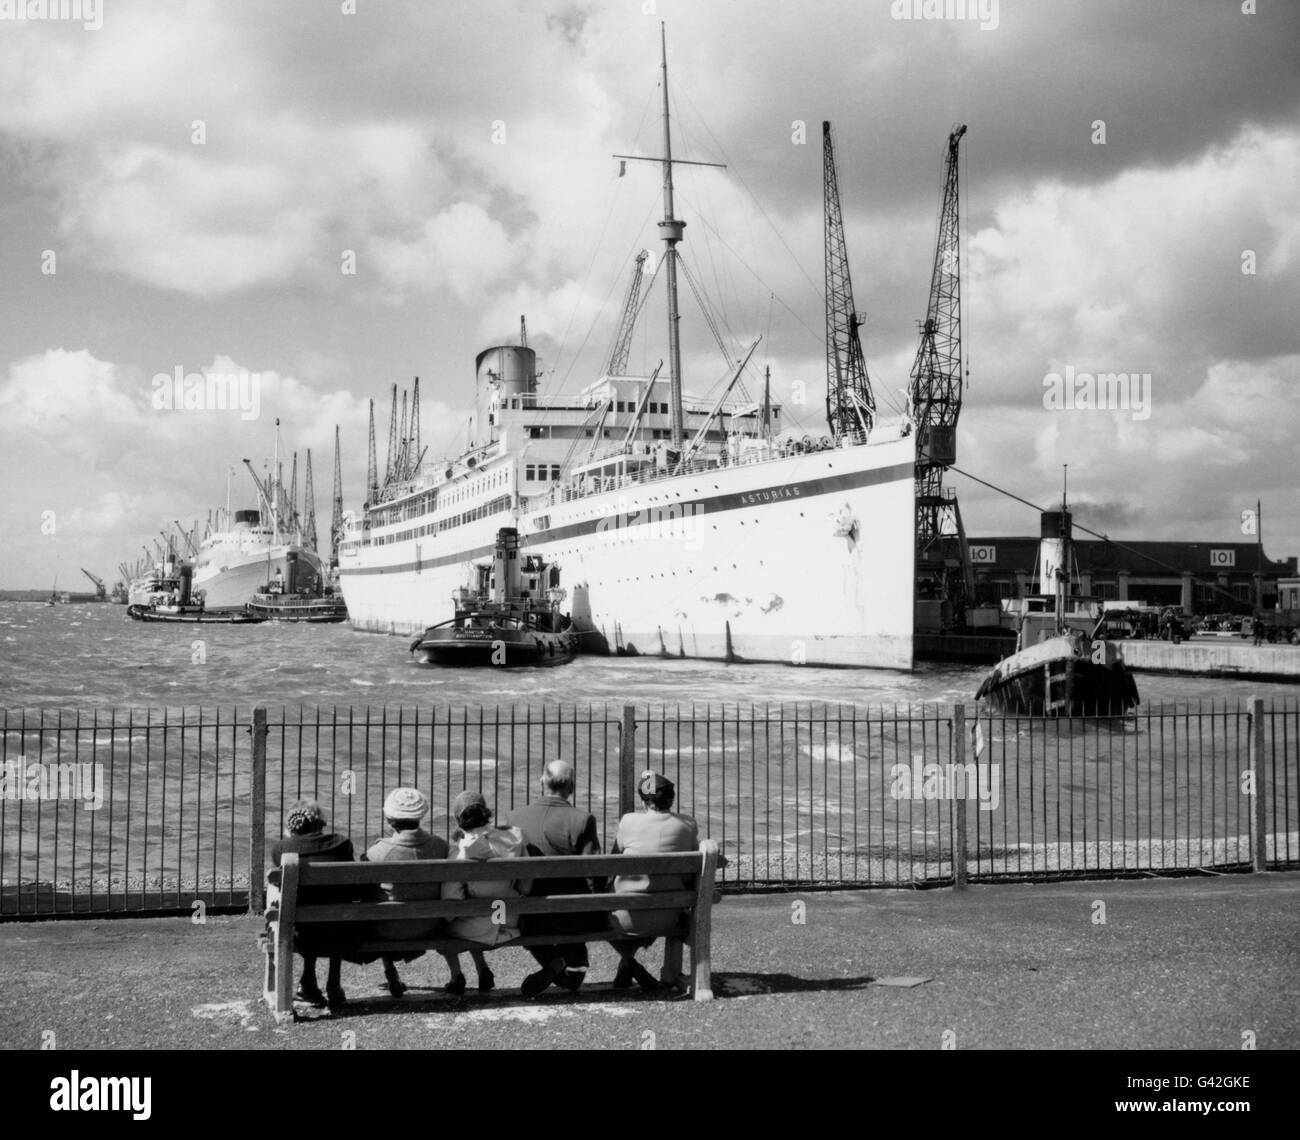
{"points": [[1063, 665], [510, 619], [276, 606]]}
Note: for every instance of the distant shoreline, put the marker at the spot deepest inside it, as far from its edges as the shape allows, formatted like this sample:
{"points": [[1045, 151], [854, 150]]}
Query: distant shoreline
{"points": [[44, 596]]}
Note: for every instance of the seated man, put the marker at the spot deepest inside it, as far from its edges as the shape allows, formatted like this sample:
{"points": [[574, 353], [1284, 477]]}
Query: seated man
{"points": [[305, 835], [652, 831], [552, 826]]}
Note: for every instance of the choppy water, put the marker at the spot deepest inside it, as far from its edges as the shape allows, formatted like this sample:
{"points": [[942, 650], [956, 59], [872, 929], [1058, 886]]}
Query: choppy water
{"points": [[94, 656]]}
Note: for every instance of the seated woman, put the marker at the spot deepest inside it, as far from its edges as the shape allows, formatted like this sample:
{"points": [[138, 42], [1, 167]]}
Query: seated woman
{"points": [[652, 831], [478, 841], [305, 835], [406, 841]]}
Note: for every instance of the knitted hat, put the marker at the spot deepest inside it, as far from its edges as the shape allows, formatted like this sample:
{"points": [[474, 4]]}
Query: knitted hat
{"points": [[406, 803]]}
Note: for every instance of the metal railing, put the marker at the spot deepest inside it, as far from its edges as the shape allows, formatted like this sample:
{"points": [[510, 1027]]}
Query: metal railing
{"points": [[154, 811]]}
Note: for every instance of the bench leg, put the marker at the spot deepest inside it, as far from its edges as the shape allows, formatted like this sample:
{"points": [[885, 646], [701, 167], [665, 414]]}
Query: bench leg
{"points": [[268, 969], [701, 969], [283, 1005]]}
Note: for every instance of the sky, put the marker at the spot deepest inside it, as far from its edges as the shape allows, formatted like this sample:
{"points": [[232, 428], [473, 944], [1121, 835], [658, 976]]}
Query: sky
{"points": [[332, 196]]}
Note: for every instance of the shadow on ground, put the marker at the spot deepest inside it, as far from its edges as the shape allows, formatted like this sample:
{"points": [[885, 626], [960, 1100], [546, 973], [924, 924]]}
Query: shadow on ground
{"points": [[728, 985]]}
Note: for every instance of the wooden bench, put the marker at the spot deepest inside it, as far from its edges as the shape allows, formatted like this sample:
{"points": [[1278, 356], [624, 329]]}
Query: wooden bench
{"points": [[286, 913]]}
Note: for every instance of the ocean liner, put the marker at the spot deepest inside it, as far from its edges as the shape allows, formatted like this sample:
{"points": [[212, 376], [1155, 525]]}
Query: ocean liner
{"points": [[674, 525], [251, 550]]}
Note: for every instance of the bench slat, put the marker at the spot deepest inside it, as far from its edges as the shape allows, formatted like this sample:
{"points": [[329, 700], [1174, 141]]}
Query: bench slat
{"points": [[457, 871], [548, 904], [460, 946]]}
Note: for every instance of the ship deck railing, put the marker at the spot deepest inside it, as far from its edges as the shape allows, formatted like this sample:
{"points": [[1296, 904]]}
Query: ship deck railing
{"points": [[564, 493]]}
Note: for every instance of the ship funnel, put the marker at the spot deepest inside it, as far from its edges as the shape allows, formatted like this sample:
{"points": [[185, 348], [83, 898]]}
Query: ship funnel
{"points": [[1054, 550], [505, 566], [505, 377]]}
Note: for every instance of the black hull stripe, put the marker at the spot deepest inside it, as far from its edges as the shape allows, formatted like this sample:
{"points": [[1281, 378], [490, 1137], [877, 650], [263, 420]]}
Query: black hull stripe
{"points": [[709, 505]]}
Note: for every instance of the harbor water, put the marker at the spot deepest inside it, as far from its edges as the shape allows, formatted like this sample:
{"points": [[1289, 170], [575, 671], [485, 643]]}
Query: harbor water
{"points": [[93, 656]]}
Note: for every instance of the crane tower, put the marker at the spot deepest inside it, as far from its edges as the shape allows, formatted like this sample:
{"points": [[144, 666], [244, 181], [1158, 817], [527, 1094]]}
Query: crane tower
{"points": [[850, 408], [942, 562]]}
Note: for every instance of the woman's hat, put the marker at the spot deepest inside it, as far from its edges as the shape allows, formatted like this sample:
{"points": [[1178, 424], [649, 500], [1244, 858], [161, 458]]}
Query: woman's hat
{"points": [[406, 803], [652, 783], [466, 800], [304, 817]]}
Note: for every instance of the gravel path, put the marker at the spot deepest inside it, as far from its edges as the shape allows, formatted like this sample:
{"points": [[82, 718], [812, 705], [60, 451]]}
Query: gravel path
{"points": [[1188, 963]]}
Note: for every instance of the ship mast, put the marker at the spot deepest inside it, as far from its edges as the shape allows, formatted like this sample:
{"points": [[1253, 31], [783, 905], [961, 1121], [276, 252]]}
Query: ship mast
{"points": [[671, 231], [275, 498]]}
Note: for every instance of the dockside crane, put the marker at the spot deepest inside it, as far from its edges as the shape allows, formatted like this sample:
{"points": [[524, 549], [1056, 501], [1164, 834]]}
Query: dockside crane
{"points": [[943, 566], [390, 464], [309, 508], [336, 518], [850, 406], [187, 536], [372, 464], [618, 353], [101, 593]]}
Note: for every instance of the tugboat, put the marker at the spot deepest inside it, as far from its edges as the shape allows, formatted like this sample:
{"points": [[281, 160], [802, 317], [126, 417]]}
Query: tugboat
{"points": [[283, 600], [174, 600], [1062, 665], [514, 619]]}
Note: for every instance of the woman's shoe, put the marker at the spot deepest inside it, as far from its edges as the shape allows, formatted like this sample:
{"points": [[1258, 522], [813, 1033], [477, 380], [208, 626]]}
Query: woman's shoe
{"points": [[486, 982], [396, 986], [455, 987], [334, 996], [311, 995]]}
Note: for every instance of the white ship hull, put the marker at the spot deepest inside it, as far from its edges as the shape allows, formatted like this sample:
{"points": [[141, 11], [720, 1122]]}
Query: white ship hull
{"points": [[232, 578], [806, 559]]}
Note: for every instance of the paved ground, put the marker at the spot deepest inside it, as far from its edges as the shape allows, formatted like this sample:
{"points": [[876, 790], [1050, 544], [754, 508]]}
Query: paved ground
{"points": [[1187, 963]]}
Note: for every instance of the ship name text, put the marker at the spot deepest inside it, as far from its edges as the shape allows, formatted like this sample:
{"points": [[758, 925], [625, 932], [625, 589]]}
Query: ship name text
{"points": [[770, 495]]}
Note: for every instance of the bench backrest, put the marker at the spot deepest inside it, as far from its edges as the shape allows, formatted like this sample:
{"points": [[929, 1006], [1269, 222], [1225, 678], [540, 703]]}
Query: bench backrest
{"points": [[467, 871]]}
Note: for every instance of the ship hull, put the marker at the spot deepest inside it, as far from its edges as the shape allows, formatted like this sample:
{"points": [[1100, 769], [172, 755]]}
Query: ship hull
{"points": [[506, 648], [230, 582], [187, 615], [1061, 677], [805, 559], [311, 610]]}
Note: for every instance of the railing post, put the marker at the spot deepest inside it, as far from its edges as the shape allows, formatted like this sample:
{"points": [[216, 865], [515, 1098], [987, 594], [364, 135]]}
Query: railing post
{"points": [[1259, 861], [257, 817], [627, 763], [959, 804]]}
